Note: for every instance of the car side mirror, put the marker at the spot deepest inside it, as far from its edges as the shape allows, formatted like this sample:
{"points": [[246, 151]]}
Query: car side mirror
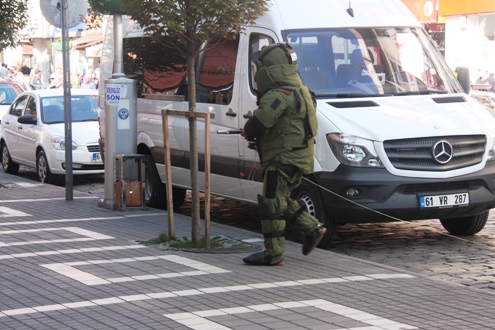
{"points": [[27, 119]]}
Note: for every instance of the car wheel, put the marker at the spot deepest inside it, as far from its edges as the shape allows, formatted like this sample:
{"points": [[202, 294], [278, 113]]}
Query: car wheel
{"points": [[155, 192], [310, 196], [8, 165], [44, 174], [465, 225]]}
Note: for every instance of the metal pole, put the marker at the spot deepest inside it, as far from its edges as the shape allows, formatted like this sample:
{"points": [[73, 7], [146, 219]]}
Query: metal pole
{"points": [[118, 66], [69, 183], [110, 119]]}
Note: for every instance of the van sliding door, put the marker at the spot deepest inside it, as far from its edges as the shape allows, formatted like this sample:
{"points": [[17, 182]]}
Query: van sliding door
{"points": [[254, 40]]}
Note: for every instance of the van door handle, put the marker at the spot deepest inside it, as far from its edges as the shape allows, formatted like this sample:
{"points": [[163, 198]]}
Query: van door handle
{"points": [[248, 116], [231, 113]]}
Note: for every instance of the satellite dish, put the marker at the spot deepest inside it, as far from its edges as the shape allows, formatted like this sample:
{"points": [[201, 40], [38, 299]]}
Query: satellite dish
{"points": [[75, 12]]}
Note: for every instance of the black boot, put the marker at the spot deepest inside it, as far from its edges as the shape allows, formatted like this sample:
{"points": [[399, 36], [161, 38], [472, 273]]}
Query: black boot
{"points": [[311, 241], [261, 259]]}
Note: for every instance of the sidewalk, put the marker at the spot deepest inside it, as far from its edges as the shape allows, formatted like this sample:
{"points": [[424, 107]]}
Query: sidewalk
{"points": [[73, 265]]}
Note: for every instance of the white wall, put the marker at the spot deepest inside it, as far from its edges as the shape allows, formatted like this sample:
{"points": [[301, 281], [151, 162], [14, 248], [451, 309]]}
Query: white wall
{"points": [[465, 45], [12, 55]]}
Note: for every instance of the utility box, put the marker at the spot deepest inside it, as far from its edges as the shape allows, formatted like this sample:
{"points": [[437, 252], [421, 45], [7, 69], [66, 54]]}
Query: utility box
{"points": [[120, 126], [129, 187]]}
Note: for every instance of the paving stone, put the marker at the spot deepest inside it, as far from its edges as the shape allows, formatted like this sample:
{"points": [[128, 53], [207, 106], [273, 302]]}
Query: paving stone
{"points": [[32, 292]]}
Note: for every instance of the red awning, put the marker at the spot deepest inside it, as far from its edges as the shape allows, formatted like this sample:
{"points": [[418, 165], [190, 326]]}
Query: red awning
{"points": [[88, 40], [27, 49]]}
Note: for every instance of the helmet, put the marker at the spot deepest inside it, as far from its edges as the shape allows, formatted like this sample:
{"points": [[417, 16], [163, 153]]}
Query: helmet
{"points": [[280, 53]]}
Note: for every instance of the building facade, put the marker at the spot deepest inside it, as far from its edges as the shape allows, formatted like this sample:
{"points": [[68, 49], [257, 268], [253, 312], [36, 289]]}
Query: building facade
{"points": [[463, 31], [42, 44]]}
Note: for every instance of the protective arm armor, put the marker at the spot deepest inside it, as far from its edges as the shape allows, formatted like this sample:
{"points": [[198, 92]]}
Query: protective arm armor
{"points": [[272, 105]]}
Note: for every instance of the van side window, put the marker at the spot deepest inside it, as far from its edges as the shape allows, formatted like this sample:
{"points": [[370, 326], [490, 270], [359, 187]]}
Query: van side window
{"points": [[217, 66], [256, 42], [160, 68]]}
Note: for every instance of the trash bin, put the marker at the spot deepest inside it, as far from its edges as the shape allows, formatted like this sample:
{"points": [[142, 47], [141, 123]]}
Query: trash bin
{"points": [[129, 187]]}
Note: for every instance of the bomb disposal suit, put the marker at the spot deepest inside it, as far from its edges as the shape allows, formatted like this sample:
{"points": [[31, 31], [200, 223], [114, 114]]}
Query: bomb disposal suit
{"points": [[283, 126]]}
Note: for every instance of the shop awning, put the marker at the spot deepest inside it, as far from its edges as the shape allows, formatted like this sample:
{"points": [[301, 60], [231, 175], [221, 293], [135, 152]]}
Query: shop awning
{"points": [[94, 51], [86, 41], [27, 49]]}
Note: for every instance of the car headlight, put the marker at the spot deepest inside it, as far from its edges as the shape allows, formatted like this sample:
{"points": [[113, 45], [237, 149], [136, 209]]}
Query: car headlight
{"points": [[59, 143], [354, 151], [491, 152]]}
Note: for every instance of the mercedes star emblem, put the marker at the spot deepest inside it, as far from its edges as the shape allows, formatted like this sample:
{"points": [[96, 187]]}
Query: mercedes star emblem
{"points": [[442, 152]]}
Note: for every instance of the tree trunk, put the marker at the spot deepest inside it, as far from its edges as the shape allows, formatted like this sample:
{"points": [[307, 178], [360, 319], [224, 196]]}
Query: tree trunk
{"points": [[193, 148]]}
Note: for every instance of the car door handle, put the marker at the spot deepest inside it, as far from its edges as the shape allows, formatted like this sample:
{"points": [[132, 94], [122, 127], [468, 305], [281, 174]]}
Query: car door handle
{"points": [[231, 113], [19, 127], [248, 116]]}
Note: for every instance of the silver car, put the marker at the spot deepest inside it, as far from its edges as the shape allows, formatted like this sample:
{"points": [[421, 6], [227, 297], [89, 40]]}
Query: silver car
{"points": [[32, 133]]}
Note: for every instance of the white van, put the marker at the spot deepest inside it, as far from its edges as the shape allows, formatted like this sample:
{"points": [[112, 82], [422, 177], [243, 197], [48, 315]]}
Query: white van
{"points": [[397, 136]]}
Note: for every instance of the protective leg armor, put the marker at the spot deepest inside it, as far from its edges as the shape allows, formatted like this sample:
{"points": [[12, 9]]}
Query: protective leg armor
{"points": [[298, 218], [272, 226]]}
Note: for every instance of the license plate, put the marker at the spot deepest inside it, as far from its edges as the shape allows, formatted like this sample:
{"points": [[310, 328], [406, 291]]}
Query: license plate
{"points": [[440, 201], [96, 157]]}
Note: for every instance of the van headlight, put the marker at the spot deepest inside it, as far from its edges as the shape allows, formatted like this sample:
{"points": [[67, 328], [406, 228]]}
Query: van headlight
{"points": [[59, 143], [491, 152], [354, 151]]}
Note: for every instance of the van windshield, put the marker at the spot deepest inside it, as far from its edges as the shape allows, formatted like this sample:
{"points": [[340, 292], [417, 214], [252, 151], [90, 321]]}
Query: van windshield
{"points": [[356, 62]]}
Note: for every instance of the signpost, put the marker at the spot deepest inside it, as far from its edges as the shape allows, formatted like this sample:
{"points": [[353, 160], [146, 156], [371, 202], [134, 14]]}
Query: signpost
{"points": [[65, 16]]}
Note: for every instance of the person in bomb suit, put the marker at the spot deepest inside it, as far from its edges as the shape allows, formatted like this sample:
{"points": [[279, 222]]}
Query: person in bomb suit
{"points": [[283, 127]]}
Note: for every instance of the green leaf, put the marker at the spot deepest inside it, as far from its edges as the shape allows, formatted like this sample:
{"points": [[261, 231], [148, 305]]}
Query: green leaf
{"points": [[13, 18]]}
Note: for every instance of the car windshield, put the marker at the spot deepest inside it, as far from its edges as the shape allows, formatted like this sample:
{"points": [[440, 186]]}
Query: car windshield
{"points": [[7, 94], [84, 108], [358, 62]]}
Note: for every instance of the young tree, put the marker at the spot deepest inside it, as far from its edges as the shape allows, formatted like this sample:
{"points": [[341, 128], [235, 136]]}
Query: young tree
{"points": [[191, 23], [13, 18]]}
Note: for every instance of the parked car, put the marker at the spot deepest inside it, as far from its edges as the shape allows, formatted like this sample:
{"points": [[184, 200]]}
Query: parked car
{"points": [[8, 92], [32, 133]]}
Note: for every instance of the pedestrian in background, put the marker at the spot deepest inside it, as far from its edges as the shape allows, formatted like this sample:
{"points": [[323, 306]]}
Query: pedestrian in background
{"points": [[25, 69], [4, 72], [486, 78], [87, 83], [18, 75], [80, 72], [33, 72], [56, 78], [283, 126], [36, 79]]}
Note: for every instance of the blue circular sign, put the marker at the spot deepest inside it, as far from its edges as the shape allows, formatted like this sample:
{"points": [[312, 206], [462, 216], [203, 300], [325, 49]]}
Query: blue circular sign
{"points": [[123, 113]]}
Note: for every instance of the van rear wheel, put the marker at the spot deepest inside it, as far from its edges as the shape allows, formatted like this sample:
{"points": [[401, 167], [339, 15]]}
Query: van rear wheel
{"points": [[309, 195], [155, 192], [466, 225]]}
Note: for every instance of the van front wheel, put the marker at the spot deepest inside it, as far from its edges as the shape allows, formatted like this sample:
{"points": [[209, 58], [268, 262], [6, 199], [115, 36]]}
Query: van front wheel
{"points": [[309, 195], [466, 225], [154, 188], [155, 192]]}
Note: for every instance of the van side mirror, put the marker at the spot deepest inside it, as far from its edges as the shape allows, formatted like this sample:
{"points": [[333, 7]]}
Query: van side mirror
{"points": [[462, 75]]}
